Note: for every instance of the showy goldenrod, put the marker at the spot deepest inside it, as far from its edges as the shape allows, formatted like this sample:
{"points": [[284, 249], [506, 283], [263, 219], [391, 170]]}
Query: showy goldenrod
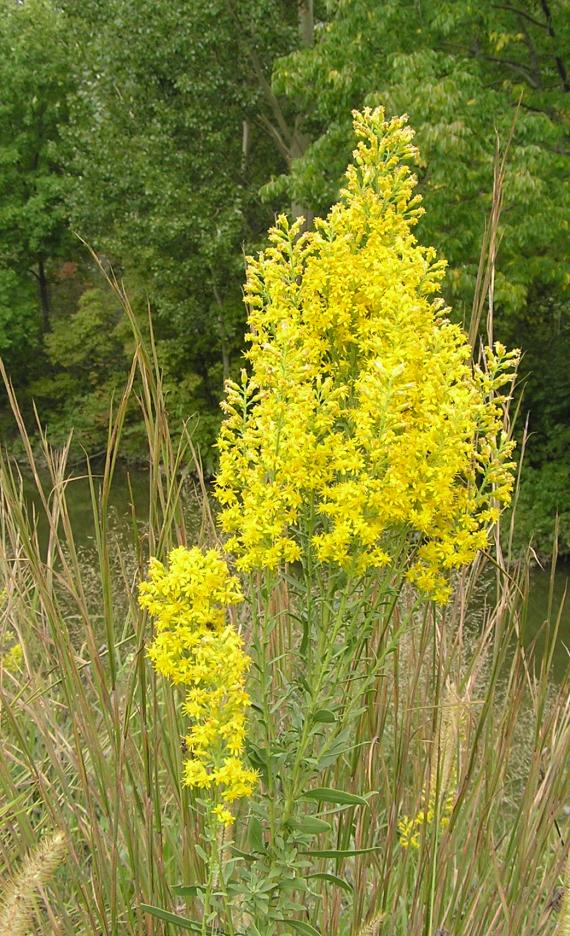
{"points": [[194, 646], [362, 418]]}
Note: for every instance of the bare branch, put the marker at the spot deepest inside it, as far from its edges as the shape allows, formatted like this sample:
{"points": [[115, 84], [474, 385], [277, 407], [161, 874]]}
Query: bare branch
{"points": [[284, 131], [532, 51], [273, 132], [521, 13], [514, 66], [559, 63]]}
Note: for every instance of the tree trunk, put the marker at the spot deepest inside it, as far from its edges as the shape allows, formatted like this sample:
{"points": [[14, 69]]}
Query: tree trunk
{"points": [[245, 142], [299, 140], [306, 22], [224, 343], [44, 295], [291, 141], [299, 143], [225, 361]]}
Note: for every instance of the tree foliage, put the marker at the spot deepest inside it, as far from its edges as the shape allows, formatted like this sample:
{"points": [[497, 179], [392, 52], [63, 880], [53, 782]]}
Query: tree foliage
{"points": [[464, 72], [168, 161], [35, 82]]}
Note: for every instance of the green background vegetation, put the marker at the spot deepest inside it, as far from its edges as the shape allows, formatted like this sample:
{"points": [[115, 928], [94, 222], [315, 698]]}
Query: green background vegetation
{"points": [[168, 135]]}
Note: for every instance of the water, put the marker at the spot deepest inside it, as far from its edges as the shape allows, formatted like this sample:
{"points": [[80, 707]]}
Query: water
{"points": [[131, 488], [538, 610]]}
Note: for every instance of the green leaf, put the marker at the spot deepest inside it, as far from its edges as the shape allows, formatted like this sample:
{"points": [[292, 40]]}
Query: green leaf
{"points": [[241, 854], [255, 834], [332, 879], [342, 853], [188, 890], [305, 685], [182, 922], [301, 927], [310, 824], [329, 795], [201, 852], [324, 715]]}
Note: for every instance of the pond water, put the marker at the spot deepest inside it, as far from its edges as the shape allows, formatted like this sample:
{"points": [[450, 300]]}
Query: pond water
{"points": [[542, 591], [132, 486]]}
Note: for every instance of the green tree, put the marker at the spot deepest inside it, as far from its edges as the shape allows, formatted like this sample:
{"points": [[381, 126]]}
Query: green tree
{"points": [[168, 157], [34, 235], [459, 70], [161, 135], [88, 355]]}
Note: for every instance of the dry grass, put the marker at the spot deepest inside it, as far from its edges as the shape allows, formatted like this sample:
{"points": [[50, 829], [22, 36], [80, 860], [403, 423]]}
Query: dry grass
{"points": [[91, 740]]}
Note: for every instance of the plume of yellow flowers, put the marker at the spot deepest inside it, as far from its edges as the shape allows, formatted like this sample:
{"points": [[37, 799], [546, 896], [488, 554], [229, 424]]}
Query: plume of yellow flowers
{"points": [[362, 417], [196, 647]]}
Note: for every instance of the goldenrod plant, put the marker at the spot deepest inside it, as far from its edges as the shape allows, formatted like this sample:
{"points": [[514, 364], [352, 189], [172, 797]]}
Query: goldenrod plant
{"points": [[229, 712], [362, 435], [195, 647], [364, 458]]}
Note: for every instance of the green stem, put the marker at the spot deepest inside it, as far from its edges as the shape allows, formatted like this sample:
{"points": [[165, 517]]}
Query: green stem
{"points": [[305, 647], [212, 864], [327, 641], [266, 682], [225, 901]]}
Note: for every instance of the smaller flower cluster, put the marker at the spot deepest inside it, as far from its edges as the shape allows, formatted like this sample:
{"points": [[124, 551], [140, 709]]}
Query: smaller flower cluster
{"points": [[10, 660], [194, 646], [409, 830]]}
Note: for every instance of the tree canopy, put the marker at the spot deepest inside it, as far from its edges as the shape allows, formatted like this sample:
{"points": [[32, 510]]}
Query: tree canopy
{"points": [[35, 82], [168, 135]]}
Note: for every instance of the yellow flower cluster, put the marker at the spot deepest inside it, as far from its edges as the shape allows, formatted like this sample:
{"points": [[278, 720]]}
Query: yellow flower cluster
{"points": [[12, 659], [194, 646], [409, 830], [362, 420]]}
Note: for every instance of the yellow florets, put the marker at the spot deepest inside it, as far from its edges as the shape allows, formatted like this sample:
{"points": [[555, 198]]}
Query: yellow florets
{"points": [[12, 659], [194, 646], [410, 830], [363, 419]]}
